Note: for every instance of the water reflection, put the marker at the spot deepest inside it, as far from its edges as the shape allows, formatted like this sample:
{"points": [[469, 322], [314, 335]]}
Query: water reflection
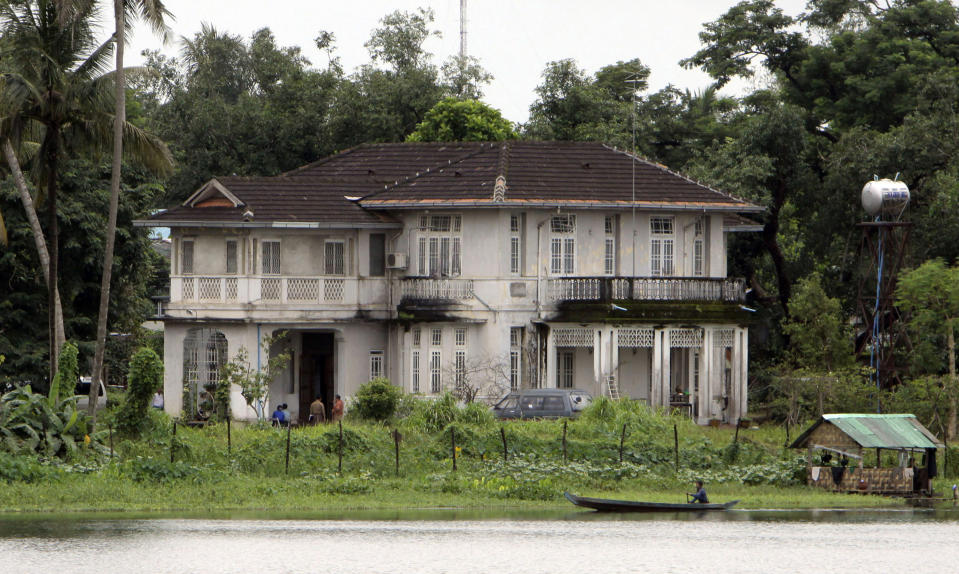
{"points": [[465, 541]]}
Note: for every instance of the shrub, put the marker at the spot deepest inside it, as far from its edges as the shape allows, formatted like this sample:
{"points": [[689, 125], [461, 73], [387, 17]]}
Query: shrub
{"points": [[31, 422], [145, 375], [376, 400], [19, 469], [65, 381], [433, 415]]}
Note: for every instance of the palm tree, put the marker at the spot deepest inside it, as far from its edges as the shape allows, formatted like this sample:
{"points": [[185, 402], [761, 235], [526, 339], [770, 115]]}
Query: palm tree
{"points": [[55, 79], [153, 12]]}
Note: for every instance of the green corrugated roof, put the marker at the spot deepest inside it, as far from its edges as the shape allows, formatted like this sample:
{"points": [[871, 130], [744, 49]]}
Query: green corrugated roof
{"points": [[879, 431]]}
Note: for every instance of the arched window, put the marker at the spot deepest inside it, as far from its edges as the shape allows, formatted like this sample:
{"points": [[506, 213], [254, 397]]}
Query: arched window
{"points": [[204, 354]]}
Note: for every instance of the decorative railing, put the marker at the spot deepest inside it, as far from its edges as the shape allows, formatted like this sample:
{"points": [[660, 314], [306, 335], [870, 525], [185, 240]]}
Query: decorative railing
{"points": [[436, 289], [647, 289], [271, 290]]}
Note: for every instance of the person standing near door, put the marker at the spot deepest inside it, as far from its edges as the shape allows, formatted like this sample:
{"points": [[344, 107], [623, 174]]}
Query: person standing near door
{"points": [[317, 411], [337, 414]]}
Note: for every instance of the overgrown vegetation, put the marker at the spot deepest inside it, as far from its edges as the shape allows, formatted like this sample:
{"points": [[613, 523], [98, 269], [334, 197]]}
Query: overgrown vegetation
{"points": [[145, 378], [251, 472]]}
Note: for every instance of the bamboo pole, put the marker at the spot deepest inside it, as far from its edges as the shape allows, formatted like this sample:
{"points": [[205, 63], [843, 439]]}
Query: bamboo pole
{"points": [[676, 445], [172, 442], [622, 440], [502, 434], [339, 467], [289, 428]]}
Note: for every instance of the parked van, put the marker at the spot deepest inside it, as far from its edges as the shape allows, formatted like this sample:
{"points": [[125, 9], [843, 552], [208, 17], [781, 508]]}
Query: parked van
{"points": [[542, 403]]}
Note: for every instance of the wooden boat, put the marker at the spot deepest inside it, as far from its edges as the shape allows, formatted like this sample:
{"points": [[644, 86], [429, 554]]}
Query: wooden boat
{"points": [[606, 505]]}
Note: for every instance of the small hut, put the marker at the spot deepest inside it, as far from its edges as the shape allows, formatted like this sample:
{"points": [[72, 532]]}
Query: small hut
{"points": [[842, 442]]}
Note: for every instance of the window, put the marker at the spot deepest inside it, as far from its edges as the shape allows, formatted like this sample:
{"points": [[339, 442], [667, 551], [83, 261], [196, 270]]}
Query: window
{"points": [[699, 250], [436, 376], [460, 337], [334, 260], [439, 246], [416, 372], [231, 256], [459, 366], [564, 369], [186, 257], [515, 357], [436, 337], [271, 258], [515, 244], [376, 364], [609, 257], [416, 337], [661, 246], [377, 254], [563, 244]]}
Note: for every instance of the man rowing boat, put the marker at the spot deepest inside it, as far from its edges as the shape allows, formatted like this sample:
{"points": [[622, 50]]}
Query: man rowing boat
{"points": [[700, 495]]}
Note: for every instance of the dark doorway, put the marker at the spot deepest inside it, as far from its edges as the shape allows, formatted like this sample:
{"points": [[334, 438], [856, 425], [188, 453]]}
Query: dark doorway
{"points": [[316, 372]]}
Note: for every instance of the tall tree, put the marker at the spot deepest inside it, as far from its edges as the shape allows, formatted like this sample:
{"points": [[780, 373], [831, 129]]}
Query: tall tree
{"points": [[929, 294], [462, 120], [154, 13], [56, 79]]}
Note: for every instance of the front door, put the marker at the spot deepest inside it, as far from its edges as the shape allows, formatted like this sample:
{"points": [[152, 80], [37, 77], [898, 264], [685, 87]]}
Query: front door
{"points": [[316, 372]]}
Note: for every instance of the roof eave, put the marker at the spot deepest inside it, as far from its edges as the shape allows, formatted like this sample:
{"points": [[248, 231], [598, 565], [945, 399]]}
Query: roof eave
{"points": [[266, 224]]}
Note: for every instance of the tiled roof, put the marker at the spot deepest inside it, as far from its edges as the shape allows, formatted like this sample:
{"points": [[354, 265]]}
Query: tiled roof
{"points": [[402, 175], [892, 431], [577, 173], [283, 199]]}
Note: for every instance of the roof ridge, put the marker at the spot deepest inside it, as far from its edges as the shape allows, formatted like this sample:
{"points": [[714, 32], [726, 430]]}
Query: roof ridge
{"points": [[662, 167], [321, 161], [449, 163]]}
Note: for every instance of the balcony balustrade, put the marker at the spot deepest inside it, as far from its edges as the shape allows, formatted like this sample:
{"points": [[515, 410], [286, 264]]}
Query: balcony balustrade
{"points": [[421, 289], [281, 290], [647, 289]]}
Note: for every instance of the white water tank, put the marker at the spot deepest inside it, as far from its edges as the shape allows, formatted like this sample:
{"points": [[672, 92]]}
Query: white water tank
{"points": [[884, 195]]}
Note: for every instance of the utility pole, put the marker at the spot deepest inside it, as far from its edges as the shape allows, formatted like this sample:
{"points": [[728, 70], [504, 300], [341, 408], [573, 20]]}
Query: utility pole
{"points": [[463, 29]]}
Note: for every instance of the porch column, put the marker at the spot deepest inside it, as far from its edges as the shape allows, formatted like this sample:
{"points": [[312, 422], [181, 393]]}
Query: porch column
{"points": [[705, 376], [660, 366], [598, 359], [614, 356], [744, 372], [667, 382], [550, 381]]}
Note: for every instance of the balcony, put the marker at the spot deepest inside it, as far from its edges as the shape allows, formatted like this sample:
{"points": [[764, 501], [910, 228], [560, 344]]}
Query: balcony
{"points": [[436, 290], [691, 289], [278, 290]]}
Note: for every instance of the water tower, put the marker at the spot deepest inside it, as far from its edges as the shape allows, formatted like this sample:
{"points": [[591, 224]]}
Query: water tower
{"points": [[881, 253]]}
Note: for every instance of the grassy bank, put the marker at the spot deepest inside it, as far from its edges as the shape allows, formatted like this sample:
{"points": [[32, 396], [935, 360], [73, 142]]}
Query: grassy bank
{"points": [[250, 472]]}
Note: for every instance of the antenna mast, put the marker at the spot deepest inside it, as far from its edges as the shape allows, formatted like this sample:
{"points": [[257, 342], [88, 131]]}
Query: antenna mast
{"points": [[463, 29]]}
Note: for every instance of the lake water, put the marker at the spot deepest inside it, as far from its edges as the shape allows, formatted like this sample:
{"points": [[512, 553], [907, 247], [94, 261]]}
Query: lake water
{"points": [[482, 542]]}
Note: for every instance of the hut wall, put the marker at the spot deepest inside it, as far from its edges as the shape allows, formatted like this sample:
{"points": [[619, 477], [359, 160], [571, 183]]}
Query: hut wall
{"points": [[877, 480], [828, 434]]}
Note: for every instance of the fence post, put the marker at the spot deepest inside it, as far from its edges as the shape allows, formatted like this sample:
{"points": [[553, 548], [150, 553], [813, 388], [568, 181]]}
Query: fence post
{"points": [[111, 441], [564, 442], [229, 437], [502, 434], [339, 467], [288, 430], [172, 442], [622, 439], [396, 446], [453, 445], [739, 422], [676, 444]]}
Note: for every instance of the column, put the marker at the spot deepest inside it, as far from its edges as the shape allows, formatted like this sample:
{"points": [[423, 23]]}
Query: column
{"points": [[614, 355], [744, 372], [705, 376], [656, 392], [598, 359], [550, 381]]}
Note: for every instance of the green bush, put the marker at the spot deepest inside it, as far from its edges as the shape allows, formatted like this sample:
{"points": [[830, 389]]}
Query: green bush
{"points": [[145, 376], [20, 468], [31, 422], [432, 415], [376, 400], [65, 381]]}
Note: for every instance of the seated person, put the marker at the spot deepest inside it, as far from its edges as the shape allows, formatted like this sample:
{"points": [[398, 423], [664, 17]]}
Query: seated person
{"points": [[700, 495], [279, 416]]}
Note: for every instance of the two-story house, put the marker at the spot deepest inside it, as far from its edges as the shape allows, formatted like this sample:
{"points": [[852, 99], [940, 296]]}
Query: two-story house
{"points": [[472, 266]]}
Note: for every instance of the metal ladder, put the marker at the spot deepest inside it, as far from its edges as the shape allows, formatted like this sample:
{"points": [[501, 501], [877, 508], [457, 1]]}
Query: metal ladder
{"points": [[612, 387]]}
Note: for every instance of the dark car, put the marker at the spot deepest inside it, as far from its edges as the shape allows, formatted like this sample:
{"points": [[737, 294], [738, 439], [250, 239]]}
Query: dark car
{"points": [[542, 403]]}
